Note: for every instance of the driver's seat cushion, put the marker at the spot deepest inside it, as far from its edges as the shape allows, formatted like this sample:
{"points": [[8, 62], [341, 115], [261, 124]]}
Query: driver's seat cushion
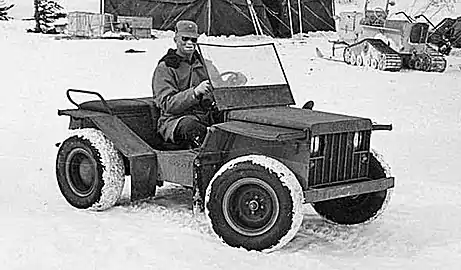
{"points": [[140, 115]]}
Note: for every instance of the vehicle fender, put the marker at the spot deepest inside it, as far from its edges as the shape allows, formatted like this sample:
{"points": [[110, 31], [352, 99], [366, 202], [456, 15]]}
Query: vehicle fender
{"points": [[141, 157], [225, 142]]}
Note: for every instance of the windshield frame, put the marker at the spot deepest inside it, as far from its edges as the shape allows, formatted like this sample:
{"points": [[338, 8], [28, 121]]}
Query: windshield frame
{"points": [[237, 97]]}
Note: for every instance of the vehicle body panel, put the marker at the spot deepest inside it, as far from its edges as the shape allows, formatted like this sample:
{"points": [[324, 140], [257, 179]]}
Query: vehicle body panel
{"points": [[262, 132], [316, 122], [222, 145]]}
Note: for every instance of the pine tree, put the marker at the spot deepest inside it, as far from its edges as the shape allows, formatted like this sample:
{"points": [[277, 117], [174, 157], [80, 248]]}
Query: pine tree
{"points": [[46, 12], [4, 10]]}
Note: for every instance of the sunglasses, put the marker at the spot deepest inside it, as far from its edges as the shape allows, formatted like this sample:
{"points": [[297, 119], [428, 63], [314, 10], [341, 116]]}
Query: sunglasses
{"points": [[186, 39]]}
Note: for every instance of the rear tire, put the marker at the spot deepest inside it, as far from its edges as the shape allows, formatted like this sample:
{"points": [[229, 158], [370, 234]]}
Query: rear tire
{"points": [[254, 202], [89, 170], [362, 208]]}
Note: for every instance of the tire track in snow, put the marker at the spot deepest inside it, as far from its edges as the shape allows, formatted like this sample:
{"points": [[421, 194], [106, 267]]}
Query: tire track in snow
{"points": [[173, 204]]}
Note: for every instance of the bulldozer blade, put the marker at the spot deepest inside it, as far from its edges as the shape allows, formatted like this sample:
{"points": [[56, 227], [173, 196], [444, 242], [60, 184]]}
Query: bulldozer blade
{"points": [[329, 58]]}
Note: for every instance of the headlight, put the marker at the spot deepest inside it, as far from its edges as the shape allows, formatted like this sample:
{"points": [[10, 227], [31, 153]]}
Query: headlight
{"points": [[357, 140], [360, 139], [317, 146]]}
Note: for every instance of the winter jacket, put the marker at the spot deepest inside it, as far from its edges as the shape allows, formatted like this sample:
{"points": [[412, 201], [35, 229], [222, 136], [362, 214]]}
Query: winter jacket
{"points": [[173, 86]]}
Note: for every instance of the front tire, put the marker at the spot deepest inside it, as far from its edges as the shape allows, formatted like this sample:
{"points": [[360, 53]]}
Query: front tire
{"points": [[89, 170], [254, 202], [362, 208]]}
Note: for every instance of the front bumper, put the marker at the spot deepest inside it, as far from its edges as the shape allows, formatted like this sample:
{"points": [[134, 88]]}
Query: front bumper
{"points": [[349, 189]]}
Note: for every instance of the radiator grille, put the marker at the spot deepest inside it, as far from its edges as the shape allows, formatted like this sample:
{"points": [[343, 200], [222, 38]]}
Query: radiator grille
{"points": [[338, 159]]}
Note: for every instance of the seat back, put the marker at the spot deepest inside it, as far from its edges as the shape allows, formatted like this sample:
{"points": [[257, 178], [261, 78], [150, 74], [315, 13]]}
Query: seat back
{"points": [[139, 114], [157, 140]]}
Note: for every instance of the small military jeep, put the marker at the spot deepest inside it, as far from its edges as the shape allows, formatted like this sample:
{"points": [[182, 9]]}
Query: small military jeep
{"points": [[254, 169]]}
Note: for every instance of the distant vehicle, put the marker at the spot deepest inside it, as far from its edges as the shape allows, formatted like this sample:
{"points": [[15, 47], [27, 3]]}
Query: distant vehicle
{"points": [[254, 170], [371, 39], [445, 35]]}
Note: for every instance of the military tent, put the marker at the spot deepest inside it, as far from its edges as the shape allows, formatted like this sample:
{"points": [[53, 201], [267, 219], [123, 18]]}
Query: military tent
{"points": [[232, 17]]}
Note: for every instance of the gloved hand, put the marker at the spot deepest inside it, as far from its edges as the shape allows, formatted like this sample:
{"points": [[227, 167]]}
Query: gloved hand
{"points": [[202, 89], [207, 102]]}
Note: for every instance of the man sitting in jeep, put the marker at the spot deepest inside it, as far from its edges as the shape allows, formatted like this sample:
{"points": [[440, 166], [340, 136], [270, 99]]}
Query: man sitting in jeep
{"points": [[181, 87]]}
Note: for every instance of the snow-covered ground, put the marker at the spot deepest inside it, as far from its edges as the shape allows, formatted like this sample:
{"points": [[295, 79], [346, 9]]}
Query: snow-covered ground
{"points": [[39, 230]]}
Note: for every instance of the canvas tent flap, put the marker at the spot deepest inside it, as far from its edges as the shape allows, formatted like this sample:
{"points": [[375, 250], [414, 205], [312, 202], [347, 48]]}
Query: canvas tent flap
{"points": [[216, 17], [316, 15], [230, 17], [172, 1], [237, 2]]}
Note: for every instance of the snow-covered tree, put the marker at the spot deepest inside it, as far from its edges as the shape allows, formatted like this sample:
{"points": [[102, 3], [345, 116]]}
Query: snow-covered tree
{"points": [[46, 12], [4, 7], [433, 7], [435, 10]]}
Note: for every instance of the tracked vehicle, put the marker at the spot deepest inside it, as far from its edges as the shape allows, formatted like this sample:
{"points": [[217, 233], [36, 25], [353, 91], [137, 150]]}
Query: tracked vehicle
{"points": [[445, 35], [372, 39], [255, 168]]}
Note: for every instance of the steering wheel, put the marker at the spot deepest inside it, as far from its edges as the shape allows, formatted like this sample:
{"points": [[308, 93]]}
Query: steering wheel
{"points": [[380, 14], [233, 78]]}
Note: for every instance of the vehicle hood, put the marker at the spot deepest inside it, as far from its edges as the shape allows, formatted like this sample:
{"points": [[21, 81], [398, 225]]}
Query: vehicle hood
{"points": [[316, 122]]}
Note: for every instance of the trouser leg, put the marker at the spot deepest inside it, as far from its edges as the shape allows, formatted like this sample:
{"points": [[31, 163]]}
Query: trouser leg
{"points": [[191, 132]]}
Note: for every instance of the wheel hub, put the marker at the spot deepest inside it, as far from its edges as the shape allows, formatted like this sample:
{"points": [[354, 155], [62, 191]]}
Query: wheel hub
{"points": [[81, 172], [250, 206], [253, 205], [86, 171]]}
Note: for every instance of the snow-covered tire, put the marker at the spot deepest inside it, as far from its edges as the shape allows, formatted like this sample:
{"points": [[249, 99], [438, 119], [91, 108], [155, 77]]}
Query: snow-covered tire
{"points": [[254, 202], [362, 208], [89, 170]]}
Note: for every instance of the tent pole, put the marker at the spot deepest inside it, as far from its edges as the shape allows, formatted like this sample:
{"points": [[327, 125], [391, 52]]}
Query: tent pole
{"points": [[291, 19], [209, 18], [252, 16], [101, 7], [300, 17], [255, 16]]}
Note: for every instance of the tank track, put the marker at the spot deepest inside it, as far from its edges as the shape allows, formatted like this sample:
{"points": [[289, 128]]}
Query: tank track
{"points": [[430, 61], [373, 53]]}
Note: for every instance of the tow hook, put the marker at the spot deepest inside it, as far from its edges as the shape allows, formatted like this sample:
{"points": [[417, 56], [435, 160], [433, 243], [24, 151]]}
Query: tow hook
{"points": [[381, 127]]}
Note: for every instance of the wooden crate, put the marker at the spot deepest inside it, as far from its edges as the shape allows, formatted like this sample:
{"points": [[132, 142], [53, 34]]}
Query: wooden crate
{"points": [[141, 33], [139, 27], [87, 24], [346, 25]]}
